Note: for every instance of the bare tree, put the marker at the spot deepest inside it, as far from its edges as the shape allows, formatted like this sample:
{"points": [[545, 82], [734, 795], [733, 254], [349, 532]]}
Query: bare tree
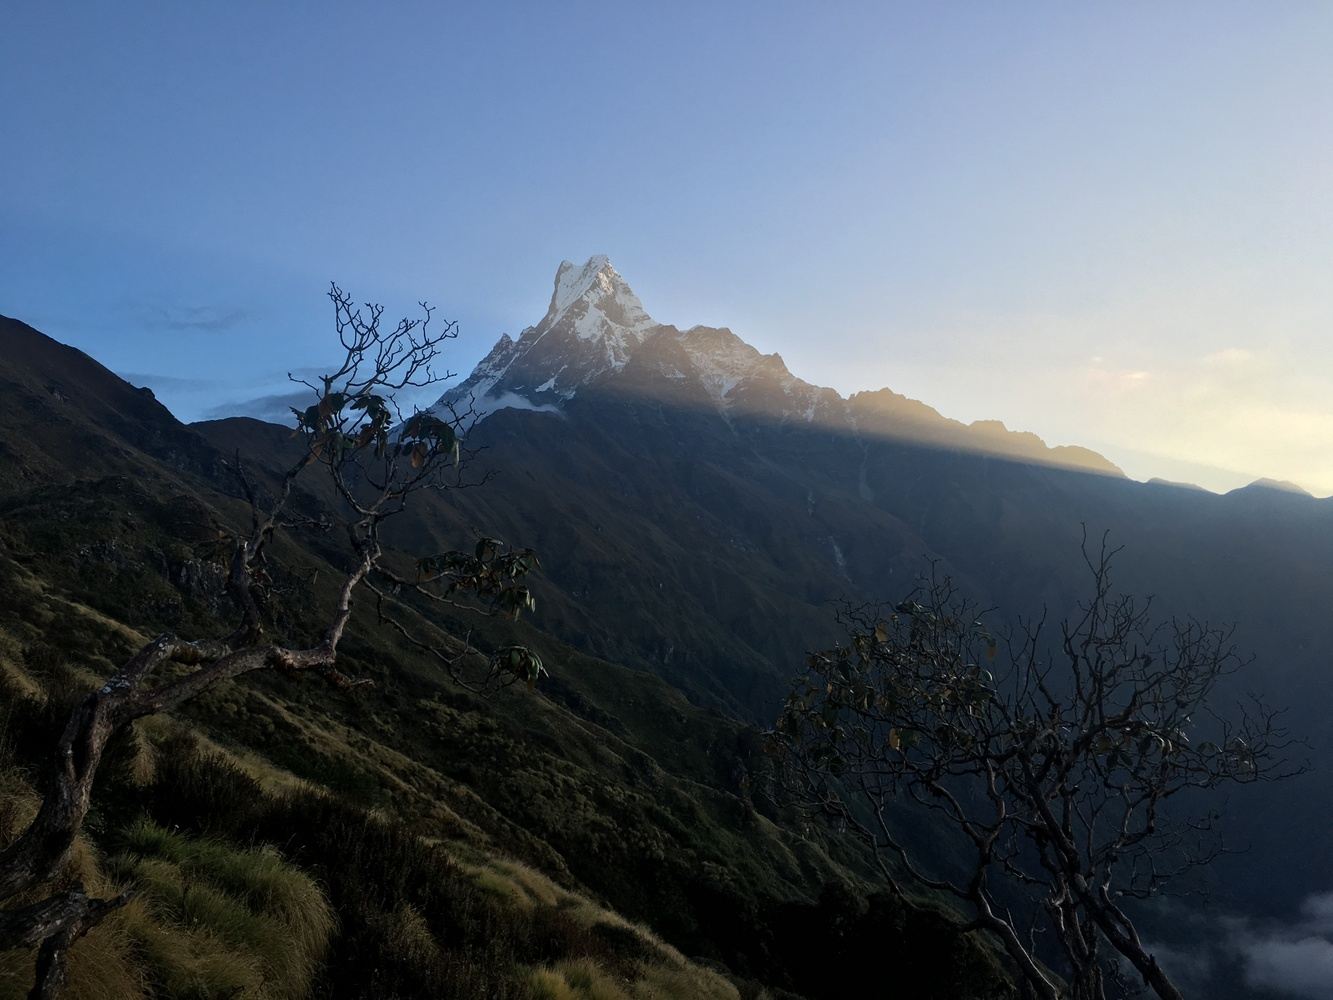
{"points": [[1048, 761], [377, 459]]}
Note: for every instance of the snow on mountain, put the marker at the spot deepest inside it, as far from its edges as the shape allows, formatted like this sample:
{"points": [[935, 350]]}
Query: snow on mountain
{"points": [[592, 327], [738, 377], [600, 304], [721, 359]]}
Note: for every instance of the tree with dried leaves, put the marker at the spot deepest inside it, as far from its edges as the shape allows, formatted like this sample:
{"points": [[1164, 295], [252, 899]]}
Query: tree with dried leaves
{"points": [[376, 459], [1048, 764]]}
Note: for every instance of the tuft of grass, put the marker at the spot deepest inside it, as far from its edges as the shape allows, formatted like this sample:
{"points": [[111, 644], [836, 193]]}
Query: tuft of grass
{"points": [[18, 805], [192, 789], [194, 964], [585, 979], [578, 979], [141, 759], [223, 920], [590, 981], [548, 984], [15, 680], [666, 982]]}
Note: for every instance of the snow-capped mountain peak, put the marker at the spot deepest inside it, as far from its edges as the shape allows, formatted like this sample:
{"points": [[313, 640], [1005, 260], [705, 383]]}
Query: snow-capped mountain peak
{"points": [[592, 327], [595, 299]]}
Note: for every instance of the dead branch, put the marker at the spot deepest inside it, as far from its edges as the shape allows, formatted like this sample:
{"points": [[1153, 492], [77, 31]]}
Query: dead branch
{"points": [[1056, 760]]}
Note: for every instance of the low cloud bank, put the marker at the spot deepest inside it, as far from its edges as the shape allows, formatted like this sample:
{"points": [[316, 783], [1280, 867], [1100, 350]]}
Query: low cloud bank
{"points": [[1297, 958], [1207, 953]]}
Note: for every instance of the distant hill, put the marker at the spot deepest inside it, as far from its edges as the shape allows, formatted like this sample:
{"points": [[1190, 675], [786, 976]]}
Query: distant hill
{"points": [[1276, 486]]}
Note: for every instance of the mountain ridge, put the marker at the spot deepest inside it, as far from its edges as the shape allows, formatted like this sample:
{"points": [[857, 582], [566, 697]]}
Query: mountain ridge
{"points": [[595, 327]]}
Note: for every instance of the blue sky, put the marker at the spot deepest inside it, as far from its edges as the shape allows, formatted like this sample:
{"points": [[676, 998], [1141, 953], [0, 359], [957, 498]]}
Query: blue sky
{"points": [[1111, 224]]}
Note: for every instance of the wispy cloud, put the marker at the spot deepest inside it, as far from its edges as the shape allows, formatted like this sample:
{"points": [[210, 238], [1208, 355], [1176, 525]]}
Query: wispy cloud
{"points": [[167, 382], [276, 407], [1230, 356], [1303, 968], [1290, 959], [1107, 380], [188, 319], [1229, 408], [1296, 959]]}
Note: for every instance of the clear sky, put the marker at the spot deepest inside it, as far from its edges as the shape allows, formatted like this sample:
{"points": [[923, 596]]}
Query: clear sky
{"points": [[1110, 224]]}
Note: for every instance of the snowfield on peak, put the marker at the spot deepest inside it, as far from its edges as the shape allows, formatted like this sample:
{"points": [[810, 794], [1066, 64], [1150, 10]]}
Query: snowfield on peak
{"points": [[597, 301]]}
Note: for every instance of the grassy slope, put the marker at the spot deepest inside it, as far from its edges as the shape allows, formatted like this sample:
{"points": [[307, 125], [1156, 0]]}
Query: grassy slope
{"points": [[427, 816], [212, 908]]}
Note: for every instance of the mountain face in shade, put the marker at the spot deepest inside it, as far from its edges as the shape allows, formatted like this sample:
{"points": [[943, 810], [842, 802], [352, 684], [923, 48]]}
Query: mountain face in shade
{"points": [[683, 476], [65, 416], [597, 337], [1277, 486], [701, 512]]}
